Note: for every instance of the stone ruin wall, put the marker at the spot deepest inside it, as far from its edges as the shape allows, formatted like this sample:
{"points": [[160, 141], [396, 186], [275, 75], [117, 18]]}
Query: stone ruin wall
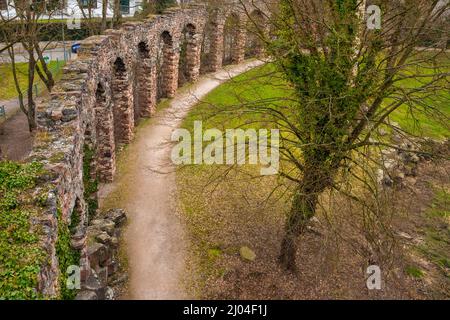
{"points": [[96, 104]]}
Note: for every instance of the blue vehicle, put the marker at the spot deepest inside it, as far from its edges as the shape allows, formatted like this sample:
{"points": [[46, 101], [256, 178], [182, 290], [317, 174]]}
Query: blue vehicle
{"points": [[75, 47]]}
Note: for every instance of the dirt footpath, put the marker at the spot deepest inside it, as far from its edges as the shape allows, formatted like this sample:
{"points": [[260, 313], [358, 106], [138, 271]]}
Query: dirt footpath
{"points": [[145, 184]]}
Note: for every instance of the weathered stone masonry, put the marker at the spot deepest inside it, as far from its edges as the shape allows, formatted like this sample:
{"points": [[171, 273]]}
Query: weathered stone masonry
{"points": [[98, 102]]}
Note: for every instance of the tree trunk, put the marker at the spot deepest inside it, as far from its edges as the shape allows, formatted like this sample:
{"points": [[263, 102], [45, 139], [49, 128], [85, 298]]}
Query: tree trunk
{"points": [[30, 97], [48, 78], [104, 14], [31, 115], [302, 210], [117, 14], [16, 80]]}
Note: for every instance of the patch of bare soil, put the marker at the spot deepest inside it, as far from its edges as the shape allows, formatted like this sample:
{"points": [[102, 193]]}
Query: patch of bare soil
{"points": [[332, 260], [15, 138], [424, 226]]}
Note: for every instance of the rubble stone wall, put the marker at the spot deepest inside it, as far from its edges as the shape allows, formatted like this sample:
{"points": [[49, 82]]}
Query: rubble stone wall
{"points": [[96, 105]]}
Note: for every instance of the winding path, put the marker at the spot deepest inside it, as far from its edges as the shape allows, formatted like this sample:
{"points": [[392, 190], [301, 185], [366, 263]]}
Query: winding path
{"points": [[154, 238]]}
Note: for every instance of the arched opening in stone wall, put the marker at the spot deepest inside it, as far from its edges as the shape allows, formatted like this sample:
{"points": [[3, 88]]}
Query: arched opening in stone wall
{"points": [[189, 61], [122, 92], [104, 126], [212, 42], [206, 51], [230, 37], [166, 67], [144, 103], [255, 26]]}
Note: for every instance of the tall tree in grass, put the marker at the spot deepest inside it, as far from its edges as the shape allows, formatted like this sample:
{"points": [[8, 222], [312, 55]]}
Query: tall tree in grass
{"points": [[347, 80]]}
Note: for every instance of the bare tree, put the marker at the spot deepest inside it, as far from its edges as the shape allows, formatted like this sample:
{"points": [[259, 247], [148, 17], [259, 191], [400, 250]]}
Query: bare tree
{"points": [[25, 30], [89, 21], [346, 78], [117, 12], [104, 14]]}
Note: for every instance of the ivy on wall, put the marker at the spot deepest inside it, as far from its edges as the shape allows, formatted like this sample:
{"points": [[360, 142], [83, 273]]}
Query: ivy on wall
{"points": [[67, 256], [90, 184]]}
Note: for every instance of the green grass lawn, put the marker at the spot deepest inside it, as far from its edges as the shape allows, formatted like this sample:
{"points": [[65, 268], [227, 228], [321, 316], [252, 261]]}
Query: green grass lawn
{"points": [[7, 86], [422, 124], [264, 83], [258, 84], [422, 119]]}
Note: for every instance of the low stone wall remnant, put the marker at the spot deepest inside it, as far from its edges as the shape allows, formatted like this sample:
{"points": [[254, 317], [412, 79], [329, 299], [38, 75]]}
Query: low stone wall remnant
{"points": [[117, 78]]}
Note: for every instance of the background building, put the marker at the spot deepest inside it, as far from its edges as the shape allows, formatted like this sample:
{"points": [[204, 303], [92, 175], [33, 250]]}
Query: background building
{"points": [[66, 8]]}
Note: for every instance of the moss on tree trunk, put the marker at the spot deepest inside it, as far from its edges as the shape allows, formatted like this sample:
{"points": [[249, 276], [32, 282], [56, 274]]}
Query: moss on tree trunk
{"points": [[304, 203]]}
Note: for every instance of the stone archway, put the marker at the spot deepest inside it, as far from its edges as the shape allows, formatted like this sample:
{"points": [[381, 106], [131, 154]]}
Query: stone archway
{"points": [[207, 48], [96, 94], [233, 40], [122, 92], [189, 60], [255, 28], [105, 151], [229, 38], [167, 67], [145, 77], [212, 44]]}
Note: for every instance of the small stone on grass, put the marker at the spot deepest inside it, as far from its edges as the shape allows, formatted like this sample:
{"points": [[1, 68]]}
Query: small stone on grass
{"points": [[247, 253]]}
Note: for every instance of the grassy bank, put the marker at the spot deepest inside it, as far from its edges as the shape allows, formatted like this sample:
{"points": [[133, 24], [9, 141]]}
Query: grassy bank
{"points": [[7, 86], [265, 84], [228, 208]]}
